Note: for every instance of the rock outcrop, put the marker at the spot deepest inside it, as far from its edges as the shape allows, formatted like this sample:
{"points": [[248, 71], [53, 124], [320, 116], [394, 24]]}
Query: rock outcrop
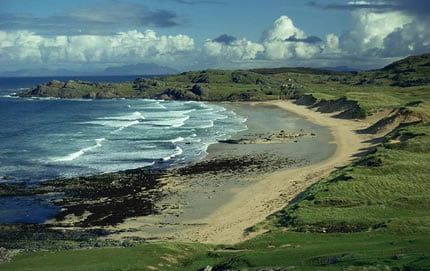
{"points": [[76, 89]]}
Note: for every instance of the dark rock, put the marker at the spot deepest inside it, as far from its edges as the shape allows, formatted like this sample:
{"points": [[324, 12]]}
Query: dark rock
{"points": [[230, 141], [307, 100], [197, 90]]}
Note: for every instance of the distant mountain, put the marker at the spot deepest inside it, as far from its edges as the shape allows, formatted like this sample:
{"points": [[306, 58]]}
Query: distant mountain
{"points": [[135, 69], [39, 73], [139, 69], [341, 69]]}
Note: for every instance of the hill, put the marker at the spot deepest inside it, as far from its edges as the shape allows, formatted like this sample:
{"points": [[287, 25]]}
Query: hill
{"points": [[138, 69]]}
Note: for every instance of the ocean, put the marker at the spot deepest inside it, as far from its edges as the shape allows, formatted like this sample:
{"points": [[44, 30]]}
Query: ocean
{"points": [[45, 138]]}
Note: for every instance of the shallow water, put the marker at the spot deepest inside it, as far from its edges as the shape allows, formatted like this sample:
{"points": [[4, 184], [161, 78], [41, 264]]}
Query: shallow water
{"points": [[49, 138]]}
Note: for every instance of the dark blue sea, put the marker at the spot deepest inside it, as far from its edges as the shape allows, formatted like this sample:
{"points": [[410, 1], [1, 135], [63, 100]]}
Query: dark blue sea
{"points": [[47, 138]]}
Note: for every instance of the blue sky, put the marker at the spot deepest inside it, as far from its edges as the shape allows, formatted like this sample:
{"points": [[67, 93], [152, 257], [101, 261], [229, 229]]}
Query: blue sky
{"points": [[94, 34]]}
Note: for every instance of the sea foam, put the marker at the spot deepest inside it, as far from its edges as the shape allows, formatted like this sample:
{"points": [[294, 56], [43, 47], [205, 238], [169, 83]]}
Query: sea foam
{"points": [[75, 155]]}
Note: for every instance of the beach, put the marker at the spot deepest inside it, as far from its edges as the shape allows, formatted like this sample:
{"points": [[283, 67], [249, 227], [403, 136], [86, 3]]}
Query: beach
{"points": [[217, 207]]}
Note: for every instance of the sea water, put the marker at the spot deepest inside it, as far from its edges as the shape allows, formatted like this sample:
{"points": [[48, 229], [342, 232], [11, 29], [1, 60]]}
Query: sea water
{"points": [[45, 138]]}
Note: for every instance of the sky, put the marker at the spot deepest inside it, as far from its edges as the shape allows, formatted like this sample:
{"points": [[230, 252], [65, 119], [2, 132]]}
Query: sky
{"points": [[90, 35]]}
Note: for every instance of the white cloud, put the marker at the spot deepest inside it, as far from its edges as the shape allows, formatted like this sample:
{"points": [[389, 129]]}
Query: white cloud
{"points": [[358, 3], [124, 47], [233, 51], [332, 43], [412, 38], [277, 47], [282, 29], [20, 46], [369, 29], [375, 38]]}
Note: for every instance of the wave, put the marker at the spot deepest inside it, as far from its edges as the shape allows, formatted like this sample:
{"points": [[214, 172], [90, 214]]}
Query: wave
{"points": [[177, 122], [182, 112], [127, 125], [114, 123], [167, 114], [127, 137], [45, 98], [193, 139], [11, 95], [212, 116], [174, 140], [178, 151], [133, 116], [201, 125], [178, 139], [75, 155], [156, 105], [162, 106]]}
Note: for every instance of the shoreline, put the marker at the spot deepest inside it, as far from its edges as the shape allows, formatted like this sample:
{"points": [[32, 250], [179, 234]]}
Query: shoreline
{"points": [[254, 203], [229, 168], [216, 199], [266, 193]]}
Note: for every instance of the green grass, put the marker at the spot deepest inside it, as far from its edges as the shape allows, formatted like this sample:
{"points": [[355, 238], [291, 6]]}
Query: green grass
{"points": [[304, 251], [166, 256]]}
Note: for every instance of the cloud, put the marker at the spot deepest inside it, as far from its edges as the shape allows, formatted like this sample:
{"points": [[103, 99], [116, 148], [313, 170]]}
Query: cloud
{"points": [[332, 43], [385, 28], [355, 5], [388, 34], [282, 29], [22, 47], [226, 39], [233, 50], [412, 7], [310, 39], [96, 20], [283, 40], [374, 39], [369, 29], [411, 39]]}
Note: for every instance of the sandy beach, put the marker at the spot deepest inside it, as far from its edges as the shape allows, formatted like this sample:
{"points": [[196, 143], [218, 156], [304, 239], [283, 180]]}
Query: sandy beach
{"points": [[271, 193], [245, 204]]}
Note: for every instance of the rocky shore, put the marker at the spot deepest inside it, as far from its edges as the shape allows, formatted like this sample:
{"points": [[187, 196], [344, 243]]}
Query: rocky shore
{"points": [[93, 207], [270, 138]]}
